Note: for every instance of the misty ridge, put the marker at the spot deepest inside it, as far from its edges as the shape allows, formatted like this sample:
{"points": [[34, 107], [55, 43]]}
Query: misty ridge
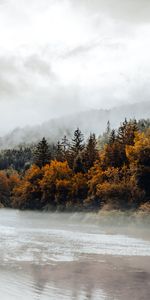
{"points": [[90, 121]]}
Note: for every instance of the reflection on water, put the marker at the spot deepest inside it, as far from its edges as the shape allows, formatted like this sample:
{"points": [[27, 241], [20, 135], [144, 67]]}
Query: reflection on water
{"points": [[58, 256]]}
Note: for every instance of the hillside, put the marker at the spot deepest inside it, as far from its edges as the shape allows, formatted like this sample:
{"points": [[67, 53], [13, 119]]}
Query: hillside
{"points": [[87, 121]]}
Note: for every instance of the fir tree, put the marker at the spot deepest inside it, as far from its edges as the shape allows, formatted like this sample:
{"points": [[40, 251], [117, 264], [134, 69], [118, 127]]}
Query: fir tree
{"points": [[76, 147], [42, 155], [90, 154], [59, 152], [77, 142], [78, 166], [126, 132], [112, 137], [65, 144]]}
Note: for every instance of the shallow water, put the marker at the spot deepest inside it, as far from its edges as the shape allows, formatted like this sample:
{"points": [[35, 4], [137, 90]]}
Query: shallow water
{"points": [[72, 256]]}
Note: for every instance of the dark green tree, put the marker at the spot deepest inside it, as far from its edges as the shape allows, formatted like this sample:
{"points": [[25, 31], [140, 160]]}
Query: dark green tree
{"points": [[126, 132], [59, 152], [77, 142], [65, 144], [90, 153], [65, 148], [76, 148], [78, 165], [112, 137], [143, 171], [42, 155]]}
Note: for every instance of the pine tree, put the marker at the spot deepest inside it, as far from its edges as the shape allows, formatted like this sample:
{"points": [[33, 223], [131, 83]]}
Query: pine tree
{"points": [[42, 155]]}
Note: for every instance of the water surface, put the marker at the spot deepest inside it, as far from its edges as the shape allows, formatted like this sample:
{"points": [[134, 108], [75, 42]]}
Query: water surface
{"points": [[72, 256]]}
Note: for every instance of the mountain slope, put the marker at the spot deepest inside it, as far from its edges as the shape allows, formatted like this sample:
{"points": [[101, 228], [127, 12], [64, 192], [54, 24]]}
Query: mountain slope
{"points": [[88, 121]]}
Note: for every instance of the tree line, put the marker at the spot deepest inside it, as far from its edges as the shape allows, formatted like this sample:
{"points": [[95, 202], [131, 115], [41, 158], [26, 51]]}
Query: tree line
{"points": [[112, 171]]}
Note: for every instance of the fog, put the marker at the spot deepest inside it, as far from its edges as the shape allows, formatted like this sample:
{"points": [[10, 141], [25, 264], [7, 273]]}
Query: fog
{"points": [[60, 57]]}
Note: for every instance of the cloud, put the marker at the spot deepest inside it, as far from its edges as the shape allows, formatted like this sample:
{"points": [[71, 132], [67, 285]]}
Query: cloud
{"points": [[60, 56], [133, 11]]}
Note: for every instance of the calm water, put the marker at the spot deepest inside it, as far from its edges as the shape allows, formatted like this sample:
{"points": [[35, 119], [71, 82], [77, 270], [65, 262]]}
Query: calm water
{"points": [[72, 256]]}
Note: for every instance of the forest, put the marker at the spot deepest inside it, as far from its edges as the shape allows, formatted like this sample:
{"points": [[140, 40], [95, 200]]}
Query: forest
{"points": [[110, 172]]}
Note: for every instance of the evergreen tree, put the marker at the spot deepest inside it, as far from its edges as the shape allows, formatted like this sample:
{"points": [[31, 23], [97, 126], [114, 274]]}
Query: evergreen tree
{"points": [[65, 148], [77, 142], [90, 154], [126, 132], [143, 171], [78, 166], [112, 137], [42, 155], [59, 152], [65, 144], [76, 147], [104, 138], [108, 129]]}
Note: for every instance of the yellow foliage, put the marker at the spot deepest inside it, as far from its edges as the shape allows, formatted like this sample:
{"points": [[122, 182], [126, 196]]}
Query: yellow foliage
{"points": [[142, 140], [55, 182], [27, 188]]}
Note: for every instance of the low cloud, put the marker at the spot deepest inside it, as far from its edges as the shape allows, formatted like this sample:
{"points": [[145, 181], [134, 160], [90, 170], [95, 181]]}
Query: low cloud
{"points": [[62, 56]]}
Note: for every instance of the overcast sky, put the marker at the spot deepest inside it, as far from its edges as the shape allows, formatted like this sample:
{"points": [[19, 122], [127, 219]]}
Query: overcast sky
{"points": [[60, 56]]}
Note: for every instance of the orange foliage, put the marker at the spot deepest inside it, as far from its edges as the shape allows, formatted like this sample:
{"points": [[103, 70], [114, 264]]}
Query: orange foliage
{"points": [[55, 182], [26, 193]]}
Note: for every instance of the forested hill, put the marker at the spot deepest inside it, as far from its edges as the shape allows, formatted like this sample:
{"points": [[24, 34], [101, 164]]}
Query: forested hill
{"points": [[88, 121], [112, 172]]}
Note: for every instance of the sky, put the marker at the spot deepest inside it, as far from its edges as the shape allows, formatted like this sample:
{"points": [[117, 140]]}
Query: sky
{"points": [[62, 56]]}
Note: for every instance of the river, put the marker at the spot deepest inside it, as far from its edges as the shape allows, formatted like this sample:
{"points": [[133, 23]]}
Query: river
{"points": [[60, 256]]}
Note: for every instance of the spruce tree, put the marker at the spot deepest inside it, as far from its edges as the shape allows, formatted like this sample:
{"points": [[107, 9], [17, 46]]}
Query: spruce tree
{"points": [[76, 147], [59, 152], [90, 154], [112, 137], [77, 142], [126, 132], [78, 166], [65, 144], [42, 153]]}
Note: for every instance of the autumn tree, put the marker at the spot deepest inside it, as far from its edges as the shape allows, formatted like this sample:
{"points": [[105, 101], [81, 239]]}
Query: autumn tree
{"points": [[139, 158], [27, 194], [4, 189], [78, 191], [55, 183]]}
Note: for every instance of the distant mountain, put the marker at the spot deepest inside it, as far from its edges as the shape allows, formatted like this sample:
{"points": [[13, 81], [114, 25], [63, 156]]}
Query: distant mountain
{"points": [[88, 121]]}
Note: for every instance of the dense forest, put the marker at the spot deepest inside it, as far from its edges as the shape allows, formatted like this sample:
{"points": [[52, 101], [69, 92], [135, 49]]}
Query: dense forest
{"points": [[109, 172]]}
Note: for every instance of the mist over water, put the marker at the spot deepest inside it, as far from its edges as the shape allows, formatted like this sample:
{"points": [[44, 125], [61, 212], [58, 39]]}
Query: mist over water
{"points": [[73, 256]]}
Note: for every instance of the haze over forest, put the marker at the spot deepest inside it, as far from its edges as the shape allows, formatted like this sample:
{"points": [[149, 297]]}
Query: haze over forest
{"points": [[66, 56]]}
